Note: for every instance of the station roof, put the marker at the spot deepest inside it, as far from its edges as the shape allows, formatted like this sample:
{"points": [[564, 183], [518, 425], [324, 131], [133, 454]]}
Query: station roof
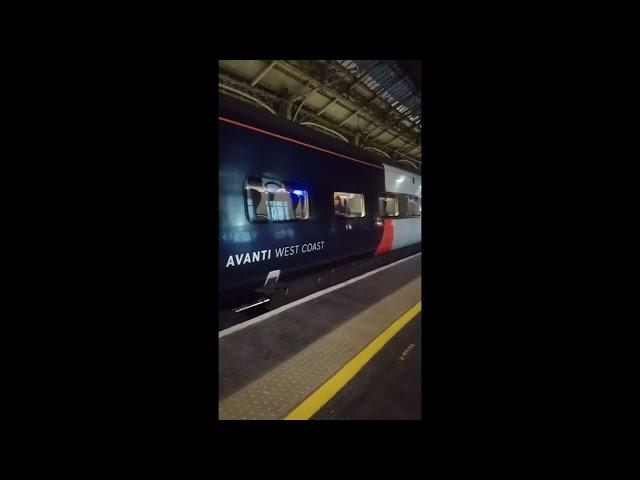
{"points": [[373, 104]]}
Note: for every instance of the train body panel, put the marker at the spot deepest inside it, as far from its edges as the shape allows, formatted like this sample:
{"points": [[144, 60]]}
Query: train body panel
{"points": [[249, 250], [406, 231], [401, 181]]}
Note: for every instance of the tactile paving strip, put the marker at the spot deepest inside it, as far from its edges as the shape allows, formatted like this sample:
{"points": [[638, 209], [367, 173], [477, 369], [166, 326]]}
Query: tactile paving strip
{"points": [[280, 390]]}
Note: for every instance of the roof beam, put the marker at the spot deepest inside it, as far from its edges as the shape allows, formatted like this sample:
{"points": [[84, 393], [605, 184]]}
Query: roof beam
{"points": [[326, 107], [263, 73], [407, 156], [246, 95], [411, 149], [300, 106], [378, 150], [384, 130], [350, 117], [390, 141]]}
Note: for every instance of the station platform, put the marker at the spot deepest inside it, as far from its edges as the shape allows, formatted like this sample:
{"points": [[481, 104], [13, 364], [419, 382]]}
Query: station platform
{"points": [[352, 353]]}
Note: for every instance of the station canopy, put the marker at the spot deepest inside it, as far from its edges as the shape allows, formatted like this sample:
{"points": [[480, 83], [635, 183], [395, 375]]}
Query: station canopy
{"points": [[374, 104]]}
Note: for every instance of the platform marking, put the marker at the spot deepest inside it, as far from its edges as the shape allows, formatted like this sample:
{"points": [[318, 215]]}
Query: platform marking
{"points": [[264, 316], [331, 387]]}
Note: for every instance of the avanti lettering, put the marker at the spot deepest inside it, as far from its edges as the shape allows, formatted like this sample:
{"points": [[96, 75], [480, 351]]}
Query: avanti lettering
{"points": [[261, 255]]}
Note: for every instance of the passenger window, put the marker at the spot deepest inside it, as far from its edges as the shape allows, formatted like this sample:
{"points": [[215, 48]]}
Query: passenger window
{"points": [[388, 205], [414, 207], [348, 204], [271, 200]]}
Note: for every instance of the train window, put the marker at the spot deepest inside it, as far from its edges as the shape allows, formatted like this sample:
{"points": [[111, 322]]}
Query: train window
{"points": [[300, 202], [348, 204], [270, 200], [414, 207], [388, 205]]}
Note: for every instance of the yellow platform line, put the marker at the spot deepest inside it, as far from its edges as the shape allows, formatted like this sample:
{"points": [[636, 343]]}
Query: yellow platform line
{"points": [[328, 390]]}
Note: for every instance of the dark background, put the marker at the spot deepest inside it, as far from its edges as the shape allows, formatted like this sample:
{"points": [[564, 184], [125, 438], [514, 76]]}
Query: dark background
{"points": [[504, 270]]}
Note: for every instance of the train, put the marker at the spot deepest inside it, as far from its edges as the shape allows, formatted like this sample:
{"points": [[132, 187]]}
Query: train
{"points": [[294, 201]]}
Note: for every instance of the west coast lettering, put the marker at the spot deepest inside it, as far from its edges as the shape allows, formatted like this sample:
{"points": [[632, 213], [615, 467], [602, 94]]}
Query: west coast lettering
{"points": [[262, 255]]}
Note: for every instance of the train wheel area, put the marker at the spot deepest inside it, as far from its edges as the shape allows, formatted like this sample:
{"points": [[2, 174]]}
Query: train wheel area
{"points": [[349, 354]]}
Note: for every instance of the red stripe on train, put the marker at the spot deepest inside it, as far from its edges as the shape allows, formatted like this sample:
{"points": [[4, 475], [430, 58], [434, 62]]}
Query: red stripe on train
{"points": [[387, 237], [308, 145]]}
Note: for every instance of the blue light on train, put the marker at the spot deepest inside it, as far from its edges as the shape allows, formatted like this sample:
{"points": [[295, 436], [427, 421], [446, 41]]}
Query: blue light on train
{"points": [[298, 192]]}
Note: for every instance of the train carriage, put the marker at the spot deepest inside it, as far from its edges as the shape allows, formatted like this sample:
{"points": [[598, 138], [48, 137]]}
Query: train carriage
{"points": [[294, 201]]}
